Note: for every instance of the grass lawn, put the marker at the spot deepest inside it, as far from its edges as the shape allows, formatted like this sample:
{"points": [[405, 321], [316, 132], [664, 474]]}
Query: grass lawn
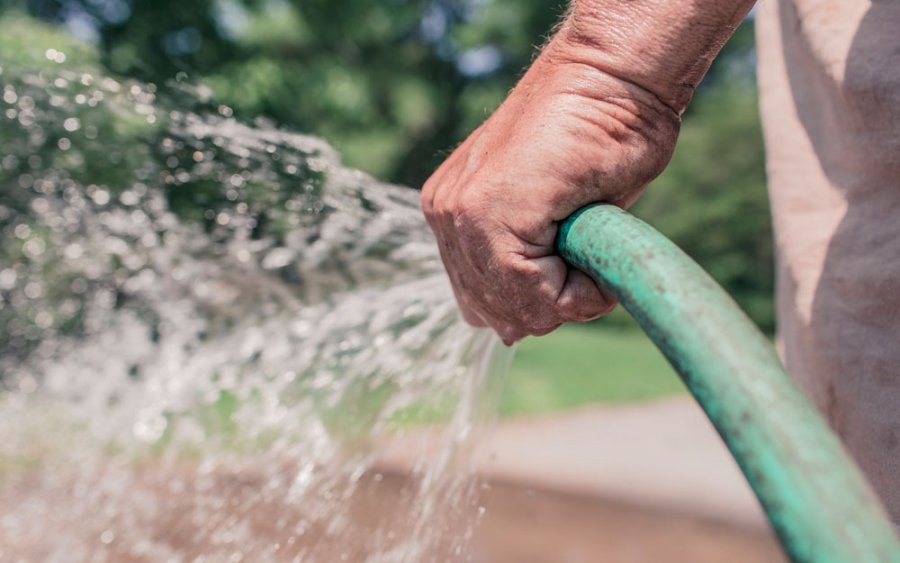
{"points": [[586, 364]]}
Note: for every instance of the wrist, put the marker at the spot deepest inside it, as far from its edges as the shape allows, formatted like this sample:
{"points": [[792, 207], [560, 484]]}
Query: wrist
{"points": [[603, 137], [663, 47]]}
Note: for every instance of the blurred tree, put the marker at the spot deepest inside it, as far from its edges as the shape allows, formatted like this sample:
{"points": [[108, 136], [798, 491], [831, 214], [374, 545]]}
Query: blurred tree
{"points": [[391, 83]]}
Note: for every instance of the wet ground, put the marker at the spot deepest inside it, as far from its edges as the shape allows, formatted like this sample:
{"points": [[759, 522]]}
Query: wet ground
{"points": [[527, 526], [517, 525], [643, 483]]}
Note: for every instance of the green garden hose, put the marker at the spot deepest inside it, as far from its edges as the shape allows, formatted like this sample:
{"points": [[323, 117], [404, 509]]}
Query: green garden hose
{"points": [[813, 494]]}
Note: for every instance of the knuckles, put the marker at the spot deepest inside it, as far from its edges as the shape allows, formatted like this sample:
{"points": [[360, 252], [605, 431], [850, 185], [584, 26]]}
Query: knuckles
{"points": [[489, 267]]}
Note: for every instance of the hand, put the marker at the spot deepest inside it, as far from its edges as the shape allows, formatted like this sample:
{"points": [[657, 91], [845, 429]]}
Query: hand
{"points": [[568, 135]]}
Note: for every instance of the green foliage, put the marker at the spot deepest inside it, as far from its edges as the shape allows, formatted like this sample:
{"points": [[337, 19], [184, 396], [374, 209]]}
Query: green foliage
{"points": [[62, 130], [579, 365], [390, 83], [19, 30]]}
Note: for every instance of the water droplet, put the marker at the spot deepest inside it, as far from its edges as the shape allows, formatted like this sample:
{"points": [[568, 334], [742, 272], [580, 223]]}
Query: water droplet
{"points": [[28, 385], [72, 124], [10, 162], [73, 251], [150, 427], [33, 290], [33, 248], [43, 319], [8, 278], [55, 56], [78, 286], [100, 197], [277, 258], [64, 144], [40, 205], [128, 197], [22, 231], [26, 103], [110, 85]]}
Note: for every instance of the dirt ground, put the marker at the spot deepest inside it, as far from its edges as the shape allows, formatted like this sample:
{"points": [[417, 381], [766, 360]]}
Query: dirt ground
{"points": [[234, 519], [646, 483], [527, 526]]}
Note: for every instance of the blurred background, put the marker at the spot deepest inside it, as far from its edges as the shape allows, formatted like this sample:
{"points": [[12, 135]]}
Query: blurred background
{"points": [[394, 85]]}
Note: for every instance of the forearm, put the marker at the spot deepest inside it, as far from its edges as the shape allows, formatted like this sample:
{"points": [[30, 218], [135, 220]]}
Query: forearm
{"points": [[663, 46]]}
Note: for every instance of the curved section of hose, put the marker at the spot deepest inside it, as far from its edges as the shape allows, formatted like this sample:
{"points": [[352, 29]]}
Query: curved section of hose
{"points": [[813, 494]]}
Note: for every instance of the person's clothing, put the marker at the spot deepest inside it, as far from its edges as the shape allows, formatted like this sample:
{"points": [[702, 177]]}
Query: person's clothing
{"points": [[829, 73]]}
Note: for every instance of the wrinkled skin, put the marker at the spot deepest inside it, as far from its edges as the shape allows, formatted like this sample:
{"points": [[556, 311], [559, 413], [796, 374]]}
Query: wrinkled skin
{"points": [[569, 134]]}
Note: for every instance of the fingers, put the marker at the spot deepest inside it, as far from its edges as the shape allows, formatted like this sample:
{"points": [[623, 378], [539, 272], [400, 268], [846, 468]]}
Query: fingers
{"points": [[468, 310], [471, 316], [540, 295], [510, 335], [519, 297], [581, 299], [516, 288]]}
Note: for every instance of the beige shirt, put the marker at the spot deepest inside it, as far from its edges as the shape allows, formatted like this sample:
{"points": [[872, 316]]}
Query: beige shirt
{"points": [[829, 73]]}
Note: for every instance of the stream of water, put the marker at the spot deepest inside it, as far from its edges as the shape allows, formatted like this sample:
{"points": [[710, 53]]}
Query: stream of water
{"points": [[209, 330]]}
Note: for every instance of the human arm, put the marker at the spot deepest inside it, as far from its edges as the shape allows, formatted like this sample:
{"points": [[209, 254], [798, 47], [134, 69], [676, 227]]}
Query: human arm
{"points": [[594, 119]]}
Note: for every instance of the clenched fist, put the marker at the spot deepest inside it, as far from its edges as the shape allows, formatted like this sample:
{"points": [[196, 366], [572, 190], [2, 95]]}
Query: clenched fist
{"points": [[569, 134]]}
